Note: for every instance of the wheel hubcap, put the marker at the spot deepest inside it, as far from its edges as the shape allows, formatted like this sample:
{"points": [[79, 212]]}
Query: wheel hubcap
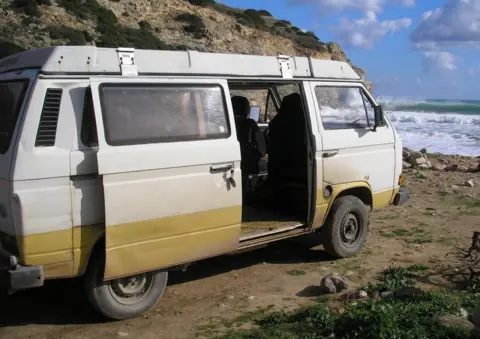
{"points": [[350, 230], [131, 289]]}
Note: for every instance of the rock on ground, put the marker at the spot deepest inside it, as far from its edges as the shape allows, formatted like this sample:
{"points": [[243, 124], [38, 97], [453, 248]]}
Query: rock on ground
{"points": [[333, 283], [469, 183], [450, 320], [438, 167]]}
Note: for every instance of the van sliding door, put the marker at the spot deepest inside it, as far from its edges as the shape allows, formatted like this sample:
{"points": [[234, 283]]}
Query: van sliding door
{"points": [[170, 163]]}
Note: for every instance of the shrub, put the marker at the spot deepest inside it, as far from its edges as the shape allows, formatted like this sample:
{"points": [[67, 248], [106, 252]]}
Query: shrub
{"points": [[285, 23], [8, 48], [264, 12], [90, 9], [310, 43], [145, 25], [194, 23], [74, 37], [45, 2], [310, 34], [253, 16], [29, 7], [202, 3], [296, 29], [281, 23]]}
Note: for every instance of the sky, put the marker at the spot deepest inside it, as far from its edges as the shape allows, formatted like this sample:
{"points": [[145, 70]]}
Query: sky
{"points": [[418, 49]]}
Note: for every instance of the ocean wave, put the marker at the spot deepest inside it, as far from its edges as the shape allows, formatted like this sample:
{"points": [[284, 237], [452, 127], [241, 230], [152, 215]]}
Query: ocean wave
{"points": [[466, 107], [417, 117]]}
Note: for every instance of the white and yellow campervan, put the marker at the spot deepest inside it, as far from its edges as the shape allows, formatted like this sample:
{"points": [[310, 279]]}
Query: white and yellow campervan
{"points": [[119, 164]]}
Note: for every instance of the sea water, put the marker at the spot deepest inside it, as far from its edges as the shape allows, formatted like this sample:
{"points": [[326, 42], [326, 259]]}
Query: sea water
{"points": [[445, 126]]}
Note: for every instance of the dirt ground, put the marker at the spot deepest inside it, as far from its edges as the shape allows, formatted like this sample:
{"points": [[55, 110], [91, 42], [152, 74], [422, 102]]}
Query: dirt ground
{"points": [[285, 275]]}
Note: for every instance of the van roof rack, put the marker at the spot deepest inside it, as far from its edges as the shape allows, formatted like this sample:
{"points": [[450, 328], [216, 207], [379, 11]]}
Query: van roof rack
{"points": [[90, 60]]}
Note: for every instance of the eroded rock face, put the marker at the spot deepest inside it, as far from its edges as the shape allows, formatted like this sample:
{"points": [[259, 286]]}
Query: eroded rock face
{"points": [[213, 30]]}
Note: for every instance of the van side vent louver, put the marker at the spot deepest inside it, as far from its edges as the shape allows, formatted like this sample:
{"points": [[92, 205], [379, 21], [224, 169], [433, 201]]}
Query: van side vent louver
{"points": [[47, 129]]}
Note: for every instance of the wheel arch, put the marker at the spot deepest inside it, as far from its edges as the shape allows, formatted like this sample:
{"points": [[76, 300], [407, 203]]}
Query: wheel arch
{"points": [[361, 190]]}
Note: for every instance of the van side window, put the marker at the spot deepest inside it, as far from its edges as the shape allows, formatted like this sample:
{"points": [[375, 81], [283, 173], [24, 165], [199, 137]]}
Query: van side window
{"points": [[152, 113], [12, 94], [88, 132], [343, 108]]}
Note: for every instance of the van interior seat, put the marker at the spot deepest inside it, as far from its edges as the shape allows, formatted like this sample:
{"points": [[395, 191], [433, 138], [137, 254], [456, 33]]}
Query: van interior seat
{"points": [[251, 139], [287, 159]]}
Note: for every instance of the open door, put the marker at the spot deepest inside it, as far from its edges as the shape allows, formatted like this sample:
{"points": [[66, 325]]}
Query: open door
{"points": [[170, 163]]}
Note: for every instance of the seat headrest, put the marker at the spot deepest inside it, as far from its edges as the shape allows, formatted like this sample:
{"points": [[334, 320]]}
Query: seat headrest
{"points": [[292, 102], [241, 106]]}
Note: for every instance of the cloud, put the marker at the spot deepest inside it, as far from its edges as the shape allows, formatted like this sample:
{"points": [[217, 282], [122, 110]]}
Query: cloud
{"points": [[364, 32], [434, 60], [364, 6], [457, 23]]}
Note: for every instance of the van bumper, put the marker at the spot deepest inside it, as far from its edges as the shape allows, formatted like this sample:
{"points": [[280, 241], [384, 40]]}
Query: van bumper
{"points": [[401, 197], [15, 277]]}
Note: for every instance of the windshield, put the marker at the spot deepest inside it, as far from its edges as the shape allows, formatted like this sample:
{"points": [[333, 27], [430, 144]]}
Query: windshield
{"points": [[12, 94]]}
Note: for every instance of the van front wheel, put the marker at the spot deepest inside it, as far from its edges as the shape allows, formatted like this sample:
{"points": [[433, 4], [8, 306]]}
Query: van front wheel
{"points": [[123, 298], [346, 229]]}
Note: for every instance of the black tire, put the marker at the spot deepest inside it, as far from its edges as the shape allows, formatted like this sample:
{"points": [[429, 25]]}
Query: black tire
{"points": [[345, 212], [104, 296]]}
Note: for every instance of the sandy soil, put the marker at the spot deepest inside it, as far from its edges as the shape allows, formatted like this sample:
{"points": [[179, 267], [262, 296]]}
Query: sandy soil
{"points": [[285, 275]]}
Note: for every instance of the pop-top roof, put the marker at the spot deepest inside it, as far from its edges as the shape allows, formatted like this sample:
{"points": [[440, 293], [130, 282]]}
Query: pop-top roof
{"points": [[94, 60]]}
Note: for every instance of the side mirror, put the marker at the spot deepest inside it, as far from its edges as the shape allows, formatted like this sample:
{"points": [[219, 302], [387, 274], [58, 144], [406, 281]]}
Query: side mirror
{"points": [[254, 113], [379, 120]]}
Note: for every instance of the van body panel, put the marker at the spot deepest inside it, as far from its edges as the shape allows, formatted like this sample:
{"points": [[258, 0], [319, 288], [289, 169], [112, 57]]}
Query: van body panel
{"points": [[163, 204], [43, 196], [320, 205], [9, 140]]}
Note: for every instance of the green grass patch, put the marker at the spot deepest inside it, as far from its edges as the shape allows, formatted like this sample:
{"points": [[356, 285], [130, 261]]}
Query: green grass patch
{"points": [[415, 235], [296, 273], [466, 201], [385, 318], [393, 278]]}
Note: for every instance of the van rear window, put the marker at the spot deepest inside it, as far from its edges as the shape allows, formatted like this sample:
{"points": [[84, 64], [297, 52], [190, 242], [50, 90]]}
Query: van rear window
{"points": [[12, 94]]}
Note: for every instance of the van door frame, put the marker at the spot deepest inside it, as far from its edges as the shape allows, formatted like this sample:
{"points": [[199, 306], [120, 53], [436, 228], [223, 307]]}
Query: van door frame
{"points": [[312, 136]]}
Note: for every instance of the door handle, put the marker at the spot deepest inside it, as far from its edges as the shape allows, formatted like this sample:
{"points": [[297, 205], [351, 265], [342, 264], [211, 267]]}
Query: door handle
{"points": [[330, 154], [221, 168]]}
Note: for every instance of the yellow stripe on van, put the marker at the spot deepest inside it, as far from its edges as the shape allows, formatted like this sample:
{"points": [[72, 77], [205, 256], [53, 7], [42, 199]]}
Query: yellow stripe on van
{"points": [[147, 245]]}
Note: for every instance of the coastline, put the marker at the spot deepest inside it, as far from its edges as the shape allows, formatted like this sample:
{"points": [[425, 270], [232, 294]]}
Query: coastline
{"points": [[423, 160]]}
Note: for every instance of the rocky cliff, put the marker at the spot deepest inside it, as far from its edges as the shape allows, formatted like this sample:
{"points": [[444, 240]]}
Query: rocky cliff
{"points": [[202, 25]]}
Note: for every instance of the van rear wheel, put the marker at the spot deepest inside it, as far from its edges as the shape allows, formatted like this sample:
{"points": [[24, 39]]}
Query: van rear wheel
{"points": [[346, 229], [123, 298]]}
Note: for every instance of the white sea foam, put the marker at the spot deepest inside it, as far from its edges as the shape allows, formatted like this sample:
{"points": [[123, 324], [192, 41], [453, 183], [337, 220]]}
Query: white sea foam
{"points": [[445, 133]]}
